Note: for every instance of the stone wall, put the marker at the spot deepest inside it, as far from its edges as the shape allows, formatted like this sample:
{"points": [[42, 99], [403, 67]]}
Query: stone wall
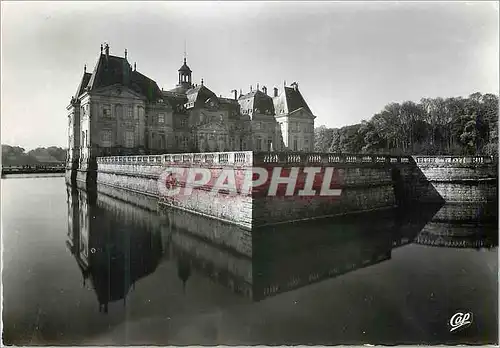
{"points": [[142, 174], [367, 182], [224, 234], [458, 179]]}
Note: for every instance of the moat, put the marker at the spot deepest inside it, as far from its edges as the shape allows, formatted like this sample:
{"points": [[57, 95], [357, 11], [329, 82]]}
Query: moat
{"points": [[79, 269]]}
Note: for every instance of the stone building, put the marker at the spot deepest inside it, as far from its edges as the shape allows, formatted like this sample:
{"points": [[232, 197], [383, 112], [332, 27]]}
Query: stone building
{"points": [[116, 110]]}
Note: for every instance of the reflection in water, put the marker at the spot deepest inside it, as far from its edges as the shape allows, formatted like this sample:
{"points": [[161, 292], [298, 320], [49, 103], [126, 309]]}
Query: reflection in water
{"points": [[116, 244], [113, 249]]}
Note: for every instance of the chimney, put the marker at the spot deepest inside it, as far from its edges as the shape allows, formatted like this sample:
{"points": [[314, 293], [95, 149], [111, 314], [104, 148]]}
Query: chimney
{"points": [[85, 68], [135, 66], [264, 89], [101, 48], [250, 88], [295, 86], [257, 86], [275, 91], [106, 50], [125, 53], [235, 92]]}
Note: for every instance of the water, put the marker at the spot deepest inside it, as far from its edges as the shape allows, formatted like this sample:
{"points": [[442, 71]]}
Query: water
{"points": [[79, 270]]}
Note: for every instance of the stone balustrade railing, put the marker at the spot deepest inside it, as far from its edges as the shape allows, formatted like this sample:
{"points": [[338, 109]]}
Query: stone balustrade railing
{"points": [[318, 158], [453, 159], [233, 158], [250, 158]]}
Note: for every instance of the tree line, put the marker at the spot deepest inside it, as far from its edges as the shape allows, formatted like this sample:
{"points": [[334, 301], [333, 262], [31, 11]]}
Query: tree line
{"points": [[434, 126], [17, 156]]}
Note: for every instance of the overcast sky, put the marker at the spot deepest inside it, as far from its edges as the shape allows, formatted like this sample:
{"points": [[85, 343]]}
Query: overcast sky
{"points": [[350, 59]]}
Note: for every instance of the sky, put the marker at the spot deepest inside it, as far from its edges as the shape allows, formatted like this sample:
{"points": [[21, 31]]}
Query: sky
{"points": [[349, 59]]}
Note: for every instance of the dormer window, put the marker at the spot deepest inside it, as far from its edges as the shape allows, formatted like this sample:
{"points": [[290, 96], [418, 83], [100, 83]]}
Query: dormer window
{"points": [[106, 110]]}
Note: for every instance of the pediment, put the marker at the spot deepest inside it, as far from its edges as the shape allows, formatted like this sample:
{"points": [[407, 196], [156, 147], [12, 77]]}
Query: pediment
{"points": [[118, 91], [302, 113]]}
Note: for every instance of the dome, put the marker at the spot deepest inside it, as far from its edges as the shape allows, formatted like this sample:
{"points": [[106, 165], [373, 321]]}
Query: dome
{"points": [[184, 67]]}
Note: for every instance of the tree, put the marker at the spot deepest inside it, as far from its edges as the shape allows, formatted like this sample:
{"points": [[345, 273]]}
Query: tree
{"points": [[322, 138], [433, 126]]}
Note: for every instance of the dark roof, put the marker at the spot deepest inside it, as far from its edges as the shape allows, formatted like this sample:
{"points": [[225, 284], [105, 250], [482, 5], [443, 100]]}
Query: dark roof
{"points": [[83, 83], [176, 100], [295, 100], [145, 86], [257, 101], [200, 95], [184, 67], [179, 89], [112, 70], [290, 100]]}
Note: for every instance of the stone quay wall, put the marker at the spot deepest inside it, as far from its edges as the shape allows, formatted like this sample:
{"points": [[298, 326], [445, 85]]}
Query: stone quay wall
{"points": [[366, 182], [456, 179]]}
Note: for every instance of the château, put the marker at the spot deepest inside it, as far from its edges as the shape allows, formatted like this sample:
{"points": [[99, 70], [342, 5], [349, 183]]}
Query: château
{"points": [[116, 110]]}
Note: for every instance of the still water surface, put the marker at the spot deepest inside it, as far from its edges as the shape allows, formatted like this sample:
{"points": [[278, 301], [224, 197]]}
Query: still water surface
{"points": [[78, 270]]}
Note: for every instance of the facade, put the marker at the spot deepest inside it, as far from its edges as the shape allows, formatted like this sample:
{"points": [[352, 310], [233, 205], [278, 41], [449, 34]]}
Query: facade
{"points": [[116, 110]]}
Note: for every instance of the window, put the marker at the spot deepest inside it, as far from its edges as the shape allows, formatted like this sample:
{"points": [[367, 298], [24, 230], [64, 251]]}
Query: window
{"points": [[106, 138], [161, 118], [106, 110], [306, 144], [269, 144], [185, 142], [241, 145], [258, 144], [161, 141], [183, 123], [130, 112], [129, 138], [119, 111], [295, 144]]}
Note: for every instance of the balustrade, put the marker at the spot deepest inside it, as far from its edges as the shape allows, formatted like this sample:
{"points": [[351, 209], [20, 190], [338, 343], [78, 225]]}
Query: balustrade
{"points": [[283, 157], [453, 159]]}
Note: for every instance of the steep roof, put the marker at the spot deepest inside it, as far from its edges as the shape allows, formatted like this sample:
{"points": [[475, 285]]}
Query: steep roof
{"points": [[111, 70], [83, 83], [176, 100], [257, 101], [290, 100], [199, 95], [145, 86]]}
